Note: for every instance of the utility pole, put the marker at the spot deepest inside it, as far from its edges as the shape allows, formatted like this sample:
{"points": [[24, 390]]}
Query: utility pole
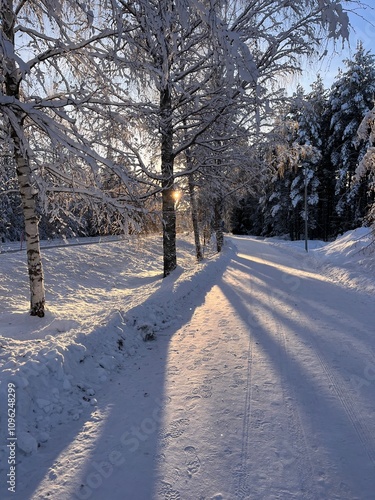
{"points": [[306, 213]]}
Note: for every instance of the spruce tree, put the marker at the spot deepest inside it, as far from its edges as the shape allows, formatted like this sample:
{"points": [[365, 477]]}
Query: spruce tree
{"points": [[351, 97], [313, 131]]}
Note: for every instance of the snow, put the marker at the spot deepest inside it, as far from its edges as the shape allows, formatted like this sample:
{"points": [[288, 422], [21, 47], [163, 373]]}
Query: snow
{"points": [[259, 382], [350, 260]]}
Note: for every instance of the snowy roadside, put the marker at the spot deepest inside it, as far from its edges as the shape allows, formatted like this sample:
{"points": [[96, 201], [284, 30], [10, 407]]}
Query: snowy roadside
{"points": [[349, 260], [12, 247], [103, 301]]}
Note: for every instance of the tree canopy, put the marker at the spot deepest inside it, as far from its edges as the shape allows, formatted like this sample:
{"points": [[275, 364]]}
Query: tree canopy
{"points": [[105, 105]]}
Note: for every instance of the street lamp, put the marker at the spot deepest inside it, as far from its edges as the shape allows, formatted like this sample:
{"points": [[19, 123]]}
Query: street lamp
{"points": [[306, 211]]}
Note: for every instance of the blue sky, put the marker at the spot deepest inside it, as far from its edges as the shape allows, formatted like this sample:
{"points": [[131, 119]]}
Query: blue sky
{"points": [[363, 28]]}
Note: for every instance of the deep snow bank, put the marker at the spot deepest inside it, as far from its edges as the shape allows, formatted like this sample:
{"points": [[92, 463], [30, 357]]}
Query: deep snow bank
{"points": [[56, 377], [350, 259]]}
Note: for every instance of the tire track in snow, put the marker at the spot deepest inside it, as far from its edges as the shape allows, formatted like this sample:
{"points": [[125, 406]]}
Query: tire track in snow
{"points": [[301, 458], [342, 390], [355, 417], [243, 489], [294, 470]]}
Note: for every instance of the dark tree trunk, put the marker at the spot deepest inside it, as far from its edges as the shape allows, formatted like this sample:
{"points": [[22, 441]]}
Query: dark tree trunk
{"points": [[194, 216], [218, 221], [168, 201]]}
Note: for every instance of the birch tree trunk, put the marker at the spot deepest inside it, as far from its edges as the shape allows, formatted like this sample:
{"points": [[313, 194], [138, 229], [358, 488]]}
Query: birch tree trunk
{"points": [[12, 80], [34, 260]]}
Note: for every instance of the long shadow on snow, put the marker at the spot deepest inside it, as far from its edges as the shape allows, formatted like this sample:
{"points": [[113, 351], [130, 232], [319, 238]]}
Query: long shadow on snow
{"points": [[328, 415], [123, 458], [344, 316], [322, 310]]}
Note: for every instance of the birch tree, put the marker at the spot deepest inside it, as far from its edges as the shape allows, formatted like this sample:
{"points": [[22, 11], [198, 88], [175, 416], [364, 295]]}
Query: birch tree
{"points": [[56, 71], [277, 35], [11, 90]]}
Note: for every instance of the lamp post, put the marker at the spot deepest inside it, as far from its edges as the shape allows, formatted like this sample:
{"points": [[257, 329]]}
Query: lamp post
{"points": [[306, 210]]}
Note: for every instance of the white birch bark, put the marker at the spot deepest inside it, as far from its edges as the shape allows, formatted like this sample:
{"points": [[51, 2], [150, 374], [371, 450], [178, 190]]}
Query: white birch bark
{"points": [[34, 259], [12, 89]]}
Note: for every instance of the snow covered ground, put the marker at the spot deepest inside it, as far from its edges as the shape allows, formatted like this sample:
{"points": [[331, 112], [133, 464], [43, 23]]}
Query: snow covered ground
{"points": [[259, 385]]}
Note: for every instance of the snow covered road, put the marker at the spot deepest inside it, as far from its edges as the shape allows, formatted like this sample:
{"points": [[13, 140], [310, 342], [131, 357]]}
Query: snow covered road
{"points": [[263, 389], [273, 386]]}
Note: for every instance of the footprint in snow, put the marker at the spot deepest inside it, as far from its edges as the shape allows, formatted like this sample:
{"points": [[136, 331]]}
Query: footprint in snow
{"points": [[196, 396], [223, 323], [257, 418], [168, 492], [213, 343], [173, 370], [192, 461], [235, 337], [238, 379], [176, 428], [205, 391], [215, 373]]}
